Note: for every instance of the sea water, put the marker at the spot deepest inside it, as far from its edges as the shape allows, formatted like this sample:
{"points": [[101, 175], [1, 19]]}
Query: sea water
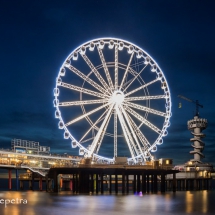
{"points": [[65, 203]]}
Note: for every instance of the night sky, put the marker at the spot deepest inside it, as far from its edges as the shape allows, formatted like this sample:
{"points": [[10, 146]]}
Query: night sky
{"points": [[37, 36]]}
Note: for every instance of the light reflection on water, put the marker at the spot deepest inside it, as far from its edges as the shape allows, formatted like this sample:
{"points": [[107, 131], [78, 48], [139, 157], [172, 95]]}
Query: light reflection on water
{"points": [[42, 203]]}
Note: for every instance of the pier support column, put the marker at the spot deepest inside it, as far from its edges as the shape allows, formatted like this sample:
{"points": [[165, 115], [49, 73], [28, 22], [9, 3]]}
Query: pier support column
{"points": [[55, 182], [127, 183], [97, 184], [50, 187], [17, 180], [9, 179], [76, 183], [155, 183], [30, 184], [116, 183], [102, 187], [138, 183], [32, 181], [147, 183], [174, 183], [73, 183], [185, 184], [41, 184], [134, 184], [152, 183], [91, 183], [47, 184], [162, 182], [70, 185], [110, 184], [21, 185], [143, 182], [60, 179], [123, 183]]}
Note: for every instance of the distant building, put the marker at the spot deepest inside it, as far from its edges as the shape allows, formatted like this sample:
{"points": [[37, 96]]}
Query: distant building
{"points": [[28, 147]]}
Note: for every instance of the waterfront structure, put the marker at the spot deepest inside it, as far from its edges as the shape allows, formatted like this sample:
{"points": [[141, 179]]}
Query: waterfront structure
{"points": [[36, 164], [121, 99], [100, 178], [56, 173], [194, 174], [196, 126], [66, 173]]}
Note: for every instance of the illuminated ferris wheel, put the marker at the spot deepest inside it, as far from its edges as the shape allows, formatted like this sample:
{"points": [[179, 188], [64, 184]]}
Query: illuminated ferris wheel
{"points": [[112, 100]]}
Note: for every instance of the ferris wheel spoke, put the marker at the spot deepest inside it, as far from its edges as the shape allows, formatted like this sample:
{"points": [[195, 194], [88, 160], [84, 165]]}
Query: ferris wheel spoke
{"points": [[137, 64], [135, 78], [83, 90], [141, 87], [126, 71], [125, 132], [132, 72], [141, 136], [145, 98], [149, 110], [86, 114], [87, 102], [143, 120], [137, 146], [86, 78], [105, 68], [84, 141], [92, 67], [94, 125], [116, 67], [145, 148], [115, 133], [100, 133]]}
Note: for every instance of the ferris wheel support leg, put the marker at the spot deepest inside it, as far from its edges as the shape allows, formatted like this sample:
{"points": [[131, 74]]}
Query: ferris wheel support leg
{"points": [[125, 132], [143, 139], [115, 133], [98, 135], [102, 135], [139, 150]]}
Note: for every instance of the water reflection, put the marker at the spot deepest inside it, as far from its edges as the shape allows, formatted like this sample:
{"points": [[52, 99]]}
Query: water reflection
{"points": [[42, 203], [197, 201]]}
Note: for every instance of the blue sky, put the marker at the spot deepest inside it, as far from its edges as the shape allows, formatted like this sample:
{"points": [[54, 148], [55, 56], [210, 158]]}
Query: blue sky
{"points": [[37, 36]]}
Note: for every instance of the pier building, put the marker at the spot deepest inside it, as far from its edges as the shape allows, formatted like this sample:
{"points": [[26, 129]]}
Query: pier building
{"points": [[194, 174]]}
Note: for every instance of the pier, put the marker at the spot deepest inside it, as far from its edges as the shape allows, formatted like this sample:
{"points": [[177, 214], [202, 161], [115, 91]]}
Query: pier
{"points": [[113, 179]]}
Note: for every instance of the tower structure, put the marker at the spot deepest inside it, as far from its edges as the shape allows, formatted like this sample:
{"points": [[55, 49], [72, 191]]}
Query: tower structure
{"points": [[196, 126], [194, 174]]}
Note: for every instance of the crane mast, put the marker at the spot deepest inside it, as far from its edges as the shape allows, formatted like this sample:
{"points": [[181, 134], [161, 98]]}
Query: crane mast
{"points": [[195, 102]]}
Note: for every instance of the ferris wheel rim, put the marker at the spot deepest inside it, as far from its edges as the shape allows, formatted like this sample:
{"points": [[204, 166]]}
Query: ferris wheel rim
{"points": [[167, 118]]}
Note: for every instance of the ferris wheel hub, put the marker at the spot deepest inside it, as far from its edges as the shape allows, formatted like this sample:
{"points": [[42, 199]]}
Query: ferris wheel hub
{"points": [[117, 97]]}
